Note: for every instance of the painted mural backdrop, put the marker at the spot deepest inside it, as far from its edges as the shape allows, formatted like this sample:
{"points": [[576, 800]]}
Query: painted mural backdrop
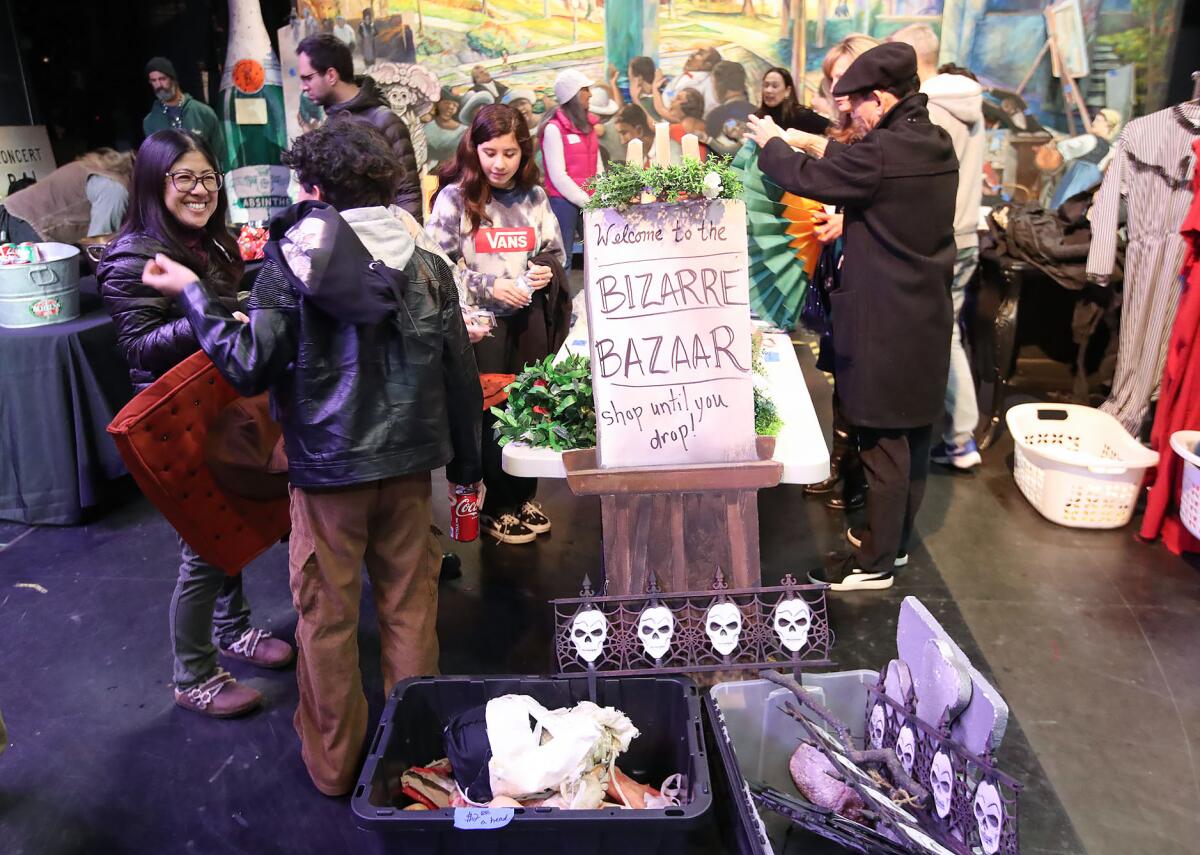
{"points": [[526, 42]]}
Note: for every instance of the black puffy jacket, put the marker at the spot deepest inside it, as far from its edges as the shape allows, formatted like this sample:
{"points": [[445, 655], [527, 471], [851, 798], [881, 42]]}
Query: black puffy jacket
{"points": [[370, 369], [152, 333], [370, 106]]}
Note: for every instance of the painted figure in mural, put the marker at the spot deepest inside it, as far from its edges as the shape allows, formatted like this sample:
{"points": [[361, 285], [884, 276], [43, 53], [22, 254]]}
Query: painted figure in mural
{"points": [[780, 102], [892, 313], [367, 31], [174, 108], [697, 74], [326, 72], [343, 32], [408, 44], [443, 130], [632, 124], [177, 209], [488, 191], [645, 85], [570, 152], [522, 100], [726, 124], [482, 81], [686, 115], [956, 106]]}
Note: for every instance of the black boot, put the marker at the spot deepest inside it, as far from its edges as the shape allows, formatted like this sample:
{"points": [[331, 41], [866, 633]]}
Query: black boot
{"points": [[451, 567], [854, 483], [843, 446]]}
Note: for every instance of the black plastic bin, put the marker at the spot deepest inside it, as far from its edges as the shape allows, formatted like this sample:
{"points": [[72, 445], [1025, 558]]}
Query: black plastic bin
{"points": [[666, 710]]}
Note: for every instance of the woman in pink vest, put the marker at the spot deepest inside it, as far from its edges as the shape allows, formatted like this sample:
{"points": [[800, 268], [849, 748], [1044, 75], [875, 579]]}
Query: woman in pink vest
{"points": [[570, 152]]}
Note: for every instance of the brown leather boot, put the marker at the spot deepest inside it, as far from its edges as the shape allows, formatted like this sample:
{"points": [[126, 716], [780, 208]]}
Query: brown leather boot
{"points": [[258, 647], [220, 696]]}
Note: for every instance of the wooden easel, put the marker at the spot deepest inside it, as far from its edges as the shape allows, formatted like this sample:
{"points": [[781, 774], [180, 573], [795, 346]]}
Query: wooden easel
{"points": [[1070, 87], [680, 522]]}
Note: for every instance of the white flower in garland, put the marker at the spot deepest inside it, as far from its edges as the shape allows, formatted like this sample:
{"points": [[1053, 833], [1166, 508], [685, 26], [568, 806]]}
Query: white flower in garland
{"points": [[712, 185]]}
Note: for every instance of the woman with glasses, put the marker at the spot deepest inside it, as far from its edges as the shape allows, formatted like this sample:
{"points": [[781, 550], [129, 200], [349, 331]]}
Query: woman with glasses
{"points": [[176, 207]]}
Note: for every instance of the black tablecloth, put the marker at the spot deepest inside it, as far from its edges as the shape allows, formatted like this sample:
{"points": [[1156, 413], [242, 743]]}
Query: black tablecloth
{"points": [[60, 386]]}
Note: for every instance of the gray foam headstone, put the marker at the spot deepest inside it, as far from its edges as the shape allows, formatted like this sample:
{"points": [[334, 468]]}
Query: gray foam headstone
{"points": [[943, 682], [981, 725]]}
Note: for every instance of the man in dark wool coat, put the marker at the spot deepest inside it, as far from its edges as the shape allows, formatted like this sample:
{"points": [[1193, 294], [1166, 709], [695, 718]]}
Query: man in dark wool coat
{"points": [[891, 314]]}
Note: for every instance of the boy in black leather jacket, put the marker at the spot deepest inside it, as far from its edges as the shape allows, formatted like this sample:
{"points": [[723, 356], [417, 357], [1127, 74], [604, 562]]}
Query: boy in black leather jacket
{"points": [[358, 334]]}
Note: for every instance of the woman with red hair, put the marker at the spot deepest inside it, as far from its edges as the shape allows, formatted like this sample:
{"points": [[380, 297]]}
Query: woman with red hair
{"points": [[493, 220]]}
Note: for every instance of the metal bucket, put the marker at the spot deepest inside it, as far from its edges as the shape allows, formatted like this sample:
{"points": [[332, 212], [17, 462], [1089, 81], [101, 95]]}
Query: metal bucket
{"points": [[45, 292]]}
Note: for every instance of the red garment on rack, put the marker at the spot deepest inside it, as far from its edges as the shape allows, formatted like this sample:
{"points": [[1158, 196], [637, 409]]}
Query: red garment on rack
{"points": [[1179, 399]]}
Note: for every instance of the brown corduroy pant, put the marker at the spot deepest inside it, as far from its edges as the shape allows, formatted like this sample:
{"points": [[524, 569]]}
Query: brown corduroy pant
{"points": [[386, 525]]}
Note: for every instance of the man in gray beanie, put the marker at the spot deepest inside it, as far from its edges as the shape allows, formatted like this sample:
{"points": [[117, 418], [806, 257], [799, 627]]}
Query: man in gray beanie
{"points": [[176, 109]]}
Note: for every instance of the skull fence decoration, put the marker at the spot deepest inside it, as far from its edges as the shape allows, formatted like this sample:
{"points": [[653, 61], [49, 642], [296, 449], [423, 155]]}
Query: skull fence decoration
{"points": [[723, 624], [906, 748], [941, 784], [878, 726], [589, 629], [793, 620], [656, 627], [989, 816]]}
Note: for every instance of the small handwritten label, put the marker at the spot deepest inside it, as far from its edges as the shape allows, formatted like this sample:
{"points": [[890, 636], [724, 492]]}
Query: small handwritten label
{"points": [[480, 819], [770, 356]]}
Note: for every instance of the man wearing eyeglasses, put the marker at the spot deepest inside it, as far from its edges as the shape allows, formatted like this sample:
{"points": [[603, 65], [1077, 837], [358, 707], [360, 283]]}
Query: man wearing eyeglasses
{"points": [[174, 108], [326, 71]]}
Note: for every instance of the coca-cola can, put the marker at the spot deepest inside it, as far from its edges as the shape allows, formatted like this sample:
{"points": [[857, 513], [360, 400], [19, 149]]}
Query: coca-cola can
{"points": [[8, 253], [464, 513], [29, 252]]}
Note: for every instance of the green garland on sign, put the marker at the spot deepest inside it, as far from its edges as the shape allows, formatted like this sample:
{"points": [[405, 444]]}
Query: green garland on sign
{"points": [[550, 405], [622, 184]]}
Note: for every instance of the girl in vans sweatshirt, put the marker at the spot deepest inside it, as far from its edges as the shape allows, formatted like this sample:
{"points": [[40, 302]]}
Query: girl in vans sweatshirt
{"points": [[494, 222]]}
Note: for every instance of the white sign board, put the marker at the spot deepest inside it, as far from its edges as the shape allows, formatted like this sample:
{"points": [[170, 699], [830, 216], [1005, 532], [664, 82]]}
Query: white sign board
{"points": [[668, 308], [24, 153]]}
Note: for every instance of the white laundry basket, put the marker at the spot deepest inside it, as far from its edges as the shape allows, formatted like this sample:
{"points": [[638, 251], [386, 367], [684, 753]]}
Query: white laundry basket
{"points": [[1078, 466], [1184, 442]]}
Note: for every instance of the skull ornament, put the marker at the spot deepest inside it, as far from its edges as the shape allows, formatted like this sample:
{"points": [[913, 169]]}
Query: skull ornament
{"points": [[793, 619], [656, 627], [588, 631], [723, 623], [878, 727], [906, 749], [941, 783], [989, 816]]}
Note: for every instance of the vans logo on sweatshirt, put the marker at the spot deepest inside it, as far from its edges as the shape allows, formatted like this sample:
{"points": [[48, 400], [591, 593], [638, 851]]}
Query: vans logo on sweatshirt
{"points": [[504, 240]]}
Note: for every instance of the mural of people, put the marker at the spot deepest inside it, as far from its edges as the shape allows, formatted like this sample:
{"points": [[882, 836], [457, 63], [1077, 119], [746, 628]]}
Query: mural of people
{"points": [[367, 31], [343, 32]]}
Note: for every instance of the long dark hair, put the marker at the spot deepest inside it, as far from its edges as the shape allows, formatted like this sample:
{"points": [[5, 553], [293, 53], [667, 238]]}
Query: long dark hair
{"points": [[148, 214], [492, 120], [787, 112], [578, 114]]}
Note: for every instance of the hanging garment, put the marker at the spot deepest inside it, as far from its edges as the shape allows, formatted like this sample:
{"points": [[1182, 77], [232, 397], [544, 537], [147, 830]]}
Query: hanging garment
{"points": [[1151, 169], [1179, 402]]}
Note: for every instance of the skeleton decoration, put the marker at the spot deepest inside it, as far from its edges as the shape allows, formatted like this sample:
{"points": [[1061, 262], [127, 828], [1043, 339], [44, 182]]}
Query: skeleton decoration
{"points": [[656, 626], [878, 726], [723, 624], [793, 619], [941, 784], [906, 749], [410, 91], [589, 629], [989, 816]]}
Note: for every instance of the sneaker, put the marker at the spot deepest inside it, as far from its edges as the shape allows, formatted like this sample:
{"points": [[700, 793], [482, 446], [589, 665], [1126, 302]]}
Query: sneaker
{"points": [[532, 518], [258, 647], [965, 456], [844, 576], [451, 568], [220, 696], [506, 529], [855, 540]]}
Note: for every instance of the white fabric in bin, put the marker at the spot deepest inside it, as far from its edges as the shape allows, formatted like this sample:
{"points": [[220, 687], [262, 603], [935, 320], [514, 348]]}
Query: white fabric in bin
{"points": [[536, 750]]}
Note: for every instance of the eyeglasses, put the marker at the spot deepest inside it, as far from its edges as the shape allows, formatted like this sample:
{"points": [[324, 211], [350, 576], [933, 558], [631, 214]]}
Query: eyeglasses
{"points": [[185, 182]]}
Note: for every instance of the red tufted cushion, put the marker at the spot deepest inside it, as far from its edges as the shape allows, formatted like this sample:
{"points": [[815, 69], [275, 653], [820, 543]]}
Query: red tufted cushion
{"points": [[160, 435], [495, 389]]}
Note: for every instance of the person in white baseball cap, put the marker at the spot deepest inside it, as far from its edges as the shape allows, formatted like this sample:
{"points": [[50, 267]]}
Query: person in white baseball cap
{"points": [[570, 152]]}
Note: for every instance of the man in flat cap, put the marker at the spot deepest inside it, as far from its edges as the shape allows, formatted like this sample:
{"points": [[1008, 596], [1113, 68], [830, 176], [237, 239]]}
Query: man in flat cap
{"points": [[891, 313], [174, 108]]}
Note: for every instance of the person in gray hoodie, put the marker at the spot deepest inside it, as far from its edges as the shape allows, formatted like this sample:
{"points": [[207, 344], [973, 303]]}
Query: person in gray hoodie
{"points": [[956, 105]]}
